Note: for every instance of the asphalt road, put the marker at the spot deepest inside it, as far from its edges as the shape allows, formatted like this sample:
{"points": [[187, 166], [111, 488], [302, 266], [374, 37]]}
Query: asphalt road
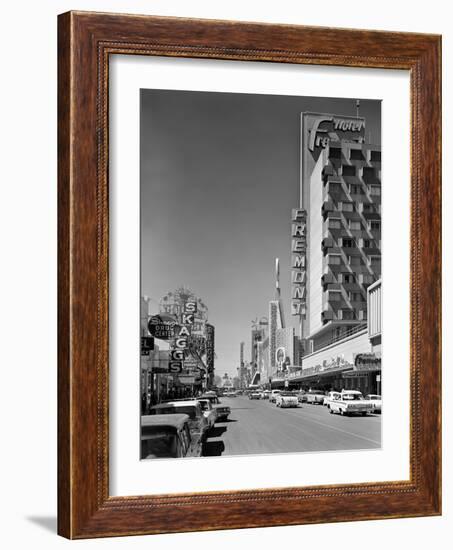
{"points": [[259, 427]]}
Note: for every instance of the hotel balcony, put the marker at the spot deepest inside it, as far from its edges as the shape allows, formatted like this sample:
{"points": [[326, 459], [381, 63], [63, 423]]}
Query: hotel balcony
{"points": [[327, 207], [329, 246], [328, 170], [334, 261], [334, 190], [327, 278], [333, 287], [327, 315], [370, 210]]}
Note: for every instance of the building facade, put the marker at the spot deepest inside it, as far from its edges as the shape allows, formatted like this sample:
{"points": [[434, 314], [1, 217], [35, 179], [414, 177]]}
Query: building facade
{"points": [[342, 192]]}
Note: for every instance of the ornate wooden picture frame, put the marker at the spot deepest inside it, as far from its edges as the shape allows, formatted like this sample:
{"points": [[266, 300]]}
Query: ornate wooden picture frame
{"points": [[86, 41]]}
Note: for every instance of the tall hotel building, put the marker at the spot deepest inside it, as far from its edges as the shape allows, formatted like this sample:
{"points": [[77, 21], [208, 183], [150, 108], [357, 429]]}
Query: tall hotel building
{"points": [[341, 205]]}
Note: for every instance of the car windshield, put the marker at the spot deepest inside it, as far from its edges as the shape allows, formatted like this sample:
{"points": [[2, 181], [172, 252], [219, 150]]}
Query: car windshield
{"points": [[317, 392], [162, 446], [352, 397], [286, 394], [376, 397], [205, 405]]}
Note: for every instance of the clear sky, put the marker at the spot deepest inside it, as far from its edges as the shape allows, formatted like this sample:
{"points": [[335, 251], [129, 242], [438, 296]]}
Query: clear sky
{"points": [[219, 177]]}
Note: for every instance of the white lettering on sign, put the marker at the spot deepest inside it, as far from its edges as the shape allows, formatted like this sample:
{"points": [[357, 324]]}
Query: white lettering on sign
{"points": [[181, 343], [348, 125], [177, 354], [297, 308], [184, 331], [298, 277], [187, 318], [298, 230], [190, 307], [321, 136], [299, 292], [298, 263]]}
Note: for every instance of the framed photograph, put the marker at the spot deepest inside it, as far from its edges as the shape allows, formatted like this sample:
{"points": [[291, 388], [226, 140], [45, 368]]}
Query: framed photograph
{"points": [[249, 275]]}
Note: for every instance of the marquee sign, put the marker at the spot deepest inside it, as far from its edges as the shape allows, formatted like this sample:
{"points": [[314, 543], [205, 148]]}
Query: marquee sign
{"points": [[298, 261], [210, 347]]}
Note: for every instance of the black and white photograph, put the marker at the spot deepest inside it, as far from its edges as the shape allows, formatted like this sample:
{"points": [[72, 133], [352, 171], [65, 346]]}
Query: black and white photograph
{"points": [[260, 300]]}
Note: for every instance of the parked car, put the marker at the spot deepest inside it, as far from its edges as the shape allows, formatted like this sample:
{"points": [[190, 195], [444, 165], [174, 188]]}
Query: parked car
{"points": [[223, 411], [315, 397], [286, 399], [332, 395], [208, 410], [255, 395], [377, 401], [265, 394], [351, 402], [168, 436], [197, 421], [273, 395], [230, 394]]}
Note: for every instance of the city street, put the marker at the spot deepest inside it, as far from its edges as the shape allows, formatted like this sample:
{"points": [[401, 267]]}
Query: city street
{"points": [[257, 427]]}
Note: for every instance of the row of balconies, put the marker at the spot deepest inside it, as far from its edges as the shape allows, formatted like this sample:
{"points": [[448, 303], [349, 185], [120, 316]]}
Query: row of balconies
{"points": [[356, 263], [350, 245], [340, 154], [346, 314], [358, 170], [352, 223], [348, 279], [354, 191]]}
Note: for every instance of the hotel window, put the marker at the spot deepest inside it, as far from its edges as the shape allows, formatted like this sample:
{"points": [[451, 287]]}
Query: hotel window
{"points": [[374, 261], [355, 189], [354, 225], [375, 156], [334, 260], [348, 278], [347, 315], [334, 224], [334, 296], [354, 260], [374, 225], [334, 187], [366, 243], [367, 173], [356, 154], [375, 190], [348, 243], [366, 279], [346, 206], [348, 170], [368, 208], [335, 153], [355, 296]]}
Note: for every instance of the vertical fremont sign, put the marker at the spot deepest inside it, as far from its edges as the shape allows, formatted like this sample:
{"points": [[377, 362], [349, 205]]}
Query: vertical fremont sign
{"points": [[298, 262]]}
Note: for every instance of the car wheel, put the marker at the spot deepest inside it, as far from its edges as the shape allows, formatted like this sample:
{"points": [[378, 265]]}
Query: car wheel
{"points": [[330, 410], [341, 412]]}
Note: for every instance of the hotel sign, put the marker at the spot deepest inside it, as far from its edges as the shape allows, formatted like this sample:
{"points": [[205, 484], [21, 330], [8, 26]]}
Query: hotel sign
{"points": [[326, 128], [321, 129], [298, 261]]}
